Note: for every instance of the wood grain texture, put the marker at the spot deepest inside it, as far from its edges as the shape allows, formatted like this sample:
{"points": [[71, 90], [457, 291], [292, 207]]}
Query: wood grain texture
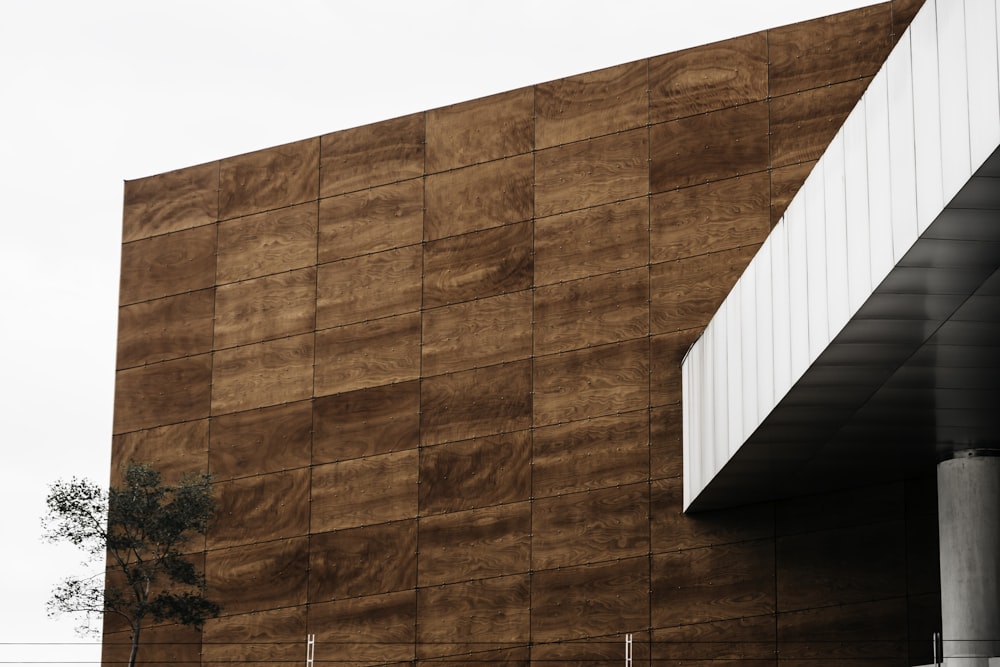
{"points": [[709, 147], [476, 544], [371, 155], [261, 441], [261, 508], [665, 441], [710, 217], [367, 354], [162, 644], [590, 526], [708, 78], [169, 264], [803, 124], [173, 450], [273, 636], [608, 100], [684, 294], [268, 373], [785, 184], [368, 287], [592, 241], [374, 629], [591, 382], [592, 172], [712, 584], [484, 401], [589, 600], [362, 492], [376, 420], [170, 202], [382, 218], [363, 561], [591, 311], [737, 641], [163, 393], [478, 265], [269, 179], [590, 454], [667, 353], [271, 242], [265, 308], [863, 631], [479, 197], [168, 328], [480, 130], [256, 577], [829, 50], [476, 333], [475, 473], [606, 649]]}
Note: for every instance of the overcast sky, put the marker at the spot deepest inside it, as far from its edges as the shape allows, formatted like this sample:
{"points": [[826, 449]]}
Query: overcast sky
{"points": [[94, 93]]}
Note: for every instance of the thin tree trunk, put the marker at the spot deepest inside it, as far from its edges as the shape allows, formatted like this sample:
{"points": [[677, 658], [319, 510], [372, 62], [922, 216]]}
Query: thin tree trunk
{"points": [[135, 644]]}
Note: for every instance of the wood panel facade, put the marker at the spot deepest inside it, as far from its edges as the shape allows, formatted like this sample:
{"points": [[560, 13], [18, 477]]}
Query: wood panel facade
{"points": [[434, 366]]}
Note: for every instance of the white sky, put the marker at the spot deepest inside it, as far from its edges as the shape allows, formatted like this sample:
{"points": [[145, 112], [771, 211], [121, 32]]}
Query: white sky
{"points": [[93, 93]]}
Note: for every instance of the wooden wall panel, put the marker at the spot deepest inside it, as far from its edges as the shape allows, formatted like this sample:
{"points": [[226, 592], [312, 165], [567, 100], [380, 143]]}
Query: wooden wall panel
{"points": [[484, 401], [475, 473], [665, 441], [368, 287], [710, 217], [371, 155], [592, 104], [842, 509], [592, 241], [261, 441], [785, 184], [590, 600], [175, 326], [606, 649], [269, 179], [593, 172], [514, 656], [382, 218], [738, 641], [163, 393], [666, 353], [686, 293], [803, 124], [377, 420], [590, 526], [709, 147], [161, 645], [270, 242], [368, 354], [170, 264], [253, 376], [591, 311], [590, 454], [846, 633], [591, 382], [478, 265], [271, 637], [476, 544], [476, 333], [170, 202], [365, 491], [264, 308], [479, 197], [173, 450], [361, 631], [481, 130], [260, 508], [829, 50], [363, 561], [712, 584], [708, 78], [259, 576]]}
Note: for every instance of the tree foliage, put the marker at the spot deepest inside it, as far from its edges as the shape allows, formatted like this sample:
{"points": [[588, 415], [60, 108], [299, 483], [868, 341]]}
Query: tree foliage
{"points": [[140, 528]]}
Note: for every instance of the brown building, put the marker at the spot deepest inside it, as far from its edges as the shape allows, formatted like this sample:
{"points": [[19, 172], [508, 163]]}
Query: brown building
{"points": [[435, 366]]}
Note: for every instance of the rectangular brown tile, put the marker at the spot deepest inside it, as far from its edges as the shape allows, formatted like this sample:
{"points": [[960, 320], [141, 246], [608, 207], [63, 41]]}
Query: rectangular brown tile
{"points": [[362, 492], [709, 147], [363, 561], [484, 401], [665, 441], [608, 100], [170, 202], [168, 328], [163, 393], [261, 441], [367, 221], [785, 184], [376, 420], [740, 641], [260, 309], [605, 649], [369, 287], [268, 179], [170, 264], [367, 354], [256, 577], [667, 353], [173, 450], [267, 243], [162, 645], [370, 155], [370, 629], [803, 124], [708, 78], [260, 509], [272, 637], [874, 630], [480, 130], [592, 172], [254, 376]]}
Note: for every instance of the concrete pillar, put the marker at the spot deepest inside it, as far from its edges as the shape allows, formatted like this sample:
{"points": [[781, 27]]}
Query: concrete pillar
{"points": [[969, 531]]}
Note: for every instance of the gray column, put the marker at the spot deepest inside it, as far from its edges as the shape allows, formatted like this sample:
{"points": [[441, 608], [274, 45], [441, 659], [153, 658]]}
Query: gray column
{"points": [[969, 531]]}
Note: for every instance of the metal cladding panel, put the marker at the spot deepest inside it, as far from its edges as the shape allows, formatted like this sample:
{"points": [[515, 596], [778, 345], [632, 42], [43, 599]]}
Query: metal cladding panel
{"points": [[927, 123], [953, 96], [381, 218], [903, 186], [984, 98], [859, 281], [170, 202]]}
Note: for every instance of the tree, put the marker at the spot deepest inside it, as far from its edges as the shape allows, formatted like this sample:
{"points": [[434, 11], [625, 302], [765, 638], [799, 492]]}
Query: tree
{"points": [[140, 528]]}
